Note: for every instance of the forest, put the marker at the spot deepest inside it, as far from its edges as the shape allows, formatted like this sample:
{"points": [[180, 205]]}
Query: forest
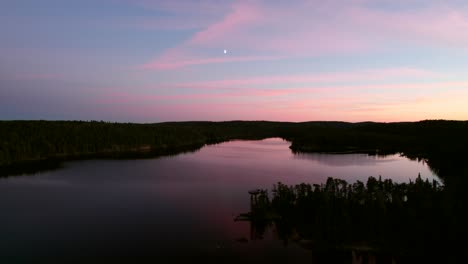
{"points": [[26, 141], [30, 145], [23, 141], [394, 217], [391, 220]]}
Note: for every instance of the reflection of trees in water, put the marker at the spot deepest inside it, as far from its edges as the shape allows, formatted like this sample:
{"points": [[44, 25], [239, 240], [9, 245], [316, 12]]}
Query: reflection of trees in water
{"points": [[30, 168], [344, 159], [374, 220]]}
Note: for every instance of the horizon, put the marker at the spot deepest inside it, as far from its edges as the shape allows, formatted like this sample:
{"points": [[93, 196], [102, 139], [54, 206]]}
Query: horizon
{"points": [[143, 61], [233, 120]]}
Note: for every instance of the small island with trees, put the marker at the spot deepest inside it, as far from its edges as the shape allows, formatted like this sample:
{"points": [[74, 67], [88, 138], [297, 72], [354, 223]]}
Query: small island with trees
{"points": [[402, 220]]}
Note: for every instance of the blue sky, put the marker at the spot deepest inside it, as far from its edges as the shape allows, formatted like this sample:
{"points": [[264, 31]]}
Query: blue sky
{"points": [[152, 61]]}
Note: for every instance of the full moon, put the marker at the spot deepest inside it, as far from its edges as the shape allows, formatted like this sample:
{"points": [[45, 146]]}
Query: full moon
{"points": [[225, 51]]}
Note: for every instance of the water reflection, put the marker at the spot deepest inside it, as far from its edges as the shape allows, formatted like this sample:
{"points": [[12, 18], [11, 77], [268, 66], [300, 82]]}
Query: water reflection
{"points": [[347, 159], [170, 206], [30, 168], [378, 218]]}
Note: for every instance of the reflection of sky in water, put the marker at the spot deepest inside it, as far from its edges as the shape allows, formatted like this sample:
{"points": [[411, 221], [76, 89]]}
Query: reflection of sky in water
{"points": [[182, 202], [346, 159], [268, 161]]}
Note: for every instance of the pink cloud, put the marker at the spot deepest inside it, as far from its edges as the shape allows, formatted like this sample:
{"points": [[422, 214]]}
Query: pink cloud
{"points": [[284, 29], [346, 109], [168, 63], [308, 28], [281, 111], [433, 25], [327, 77], [346, 100], [238, 95], [243, 14], [339, 102]]}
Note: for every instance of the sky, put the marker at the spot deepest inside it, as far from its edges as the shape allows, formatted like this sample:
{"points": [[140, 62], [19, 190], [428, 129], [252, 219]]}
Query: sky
{"points": [[298, 60]]}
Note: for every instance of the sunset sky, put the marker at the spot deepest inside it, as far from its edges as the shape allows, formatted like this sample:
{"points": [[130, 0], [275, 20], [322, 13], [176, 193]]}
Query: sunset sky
{"points": [[298, 60]]}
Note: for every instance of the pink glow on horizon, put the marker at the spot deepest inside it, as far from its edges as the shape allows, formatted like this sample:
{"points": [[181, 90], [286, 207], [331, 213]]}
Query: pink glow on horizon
{"points": [[335, 93], [299, 104], [351, 60], [305, 111]]}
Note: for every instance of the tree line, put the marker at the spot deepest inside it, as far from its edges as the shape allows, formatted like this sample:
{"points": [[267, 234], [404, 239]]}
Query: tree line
{"points": [[35, 140], [400, 220], [22, 141]]}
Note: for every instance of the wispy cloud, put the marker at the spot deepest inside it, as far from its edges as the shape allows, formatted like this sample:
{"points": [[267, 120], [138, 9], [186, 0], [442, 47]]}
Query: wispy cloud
{"points": [[439, 25], [314, 78], [297, 60], [168, 63], [347, 107], [389, 102], [310, 28]]}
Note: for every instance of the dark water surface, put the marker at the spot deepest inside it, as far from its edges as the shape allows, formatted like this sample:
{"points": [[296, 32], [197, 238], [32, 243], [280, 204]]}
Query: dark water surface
{"points": [[170, 207]]}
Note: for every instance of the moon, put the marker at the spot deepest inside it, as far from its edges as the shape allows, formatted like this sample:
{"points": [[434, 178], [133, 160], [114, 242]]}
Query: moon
{"points": [[225, 51]]}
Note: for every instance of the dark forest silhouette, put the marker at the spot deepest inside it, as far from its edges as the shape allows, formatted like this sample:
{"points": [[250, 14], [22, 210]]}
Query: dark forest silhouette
{"points": [[337, 214], [26, 141], [381, 218]]}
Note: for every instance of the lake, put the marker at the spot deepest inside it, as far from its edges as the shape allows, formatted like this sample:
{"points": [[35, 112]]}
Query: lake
{"points": [[171, 207]]}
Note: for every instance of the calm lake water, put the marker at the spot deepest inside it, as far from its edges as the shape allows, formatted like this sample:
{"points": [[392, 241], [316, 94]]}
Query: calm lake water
{"points": [[170, 207]]}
